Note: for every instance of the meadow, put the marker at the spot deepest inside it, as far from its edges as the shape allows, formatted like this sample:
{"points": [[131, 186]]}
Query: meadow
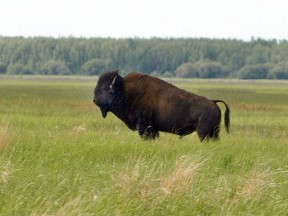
{"points": [[58, 156]]}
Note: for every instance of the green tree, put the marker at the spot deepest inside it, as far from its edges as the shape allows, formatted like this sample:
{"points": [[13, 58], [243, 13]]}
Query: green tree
{"points": [[259, 55], [208, 57]]}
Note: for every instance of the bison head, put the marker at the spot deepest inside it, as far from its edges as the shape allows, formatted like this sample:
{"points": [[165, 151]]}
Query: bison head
{"points": [[107, 91]]}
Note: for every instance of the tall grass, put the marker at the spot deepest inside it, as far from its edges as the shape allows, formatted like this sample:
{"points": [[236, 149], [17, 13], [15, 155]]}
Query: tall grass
{"points": [[59, 157]]}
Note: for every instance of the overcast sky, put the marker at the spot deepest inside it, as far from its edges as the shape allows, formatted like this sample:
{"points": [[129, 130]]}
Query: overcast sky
{"points": [[237, 19]]}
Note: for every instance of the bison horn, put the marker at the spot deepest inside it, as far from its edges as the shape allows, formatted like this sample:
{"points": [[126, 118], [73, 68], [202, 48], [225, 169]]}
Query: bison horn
{"points": [[112, 86]]}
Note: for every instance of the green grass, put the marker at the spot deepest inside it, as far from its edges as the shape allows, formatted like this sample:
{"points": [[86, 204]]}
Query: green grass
{"points": [[59, 157]]}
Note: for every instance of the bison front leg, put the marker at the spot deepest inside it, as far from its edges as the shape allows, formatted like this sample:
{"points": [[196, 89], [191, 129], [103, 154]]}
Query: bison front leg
{"points": [[147, 131]]}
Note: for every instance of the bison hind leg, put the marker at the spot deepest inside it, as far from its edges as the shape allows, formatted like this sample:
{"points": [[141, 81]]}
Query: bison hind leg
{"points": [[211, 135], [214, 134]]}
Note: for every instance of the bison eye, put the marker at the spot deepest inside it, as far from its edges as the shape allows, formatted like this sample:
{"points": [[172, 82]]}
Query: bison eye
{"points": [[100, 91]]}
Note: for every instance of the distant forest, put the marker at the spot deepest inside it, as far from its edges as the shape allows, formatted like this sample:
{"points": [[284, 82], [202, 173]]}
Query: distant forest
{"points": [[198, 58]]}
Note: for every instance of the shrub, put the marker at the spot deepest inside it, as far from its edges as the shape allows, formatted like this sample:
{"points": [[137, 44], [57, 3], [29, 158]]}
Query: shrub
{"points": [[258, 71], [187, 70], [3, 68], [18, 69], [278, 72], [202, 69], [95, 66], [53, 67]]}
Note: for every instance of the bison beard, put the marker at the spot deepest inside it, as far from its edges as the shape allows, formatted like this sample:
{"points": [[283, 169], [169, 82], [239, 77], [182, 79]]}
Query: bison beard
{"points": [[149, 105]]}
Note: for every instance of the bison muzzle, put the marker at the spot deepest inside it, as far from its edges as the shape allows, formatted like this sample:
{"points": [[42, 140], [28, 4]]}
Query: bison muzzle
{"points": [[149, 105]]}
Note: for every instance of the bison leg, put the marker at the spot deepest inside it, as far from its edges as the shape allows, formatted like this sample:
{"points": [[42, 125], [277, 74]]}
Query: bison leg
{"points": [[149, 133], [208, 133], [146, 131], [214, 134]]}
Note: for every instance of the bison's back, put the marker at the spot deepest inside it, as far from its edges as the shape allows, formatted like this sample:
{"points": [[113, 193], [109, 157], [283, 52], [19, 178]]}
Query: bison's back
{"points": [[139, 84], [142, 83]]}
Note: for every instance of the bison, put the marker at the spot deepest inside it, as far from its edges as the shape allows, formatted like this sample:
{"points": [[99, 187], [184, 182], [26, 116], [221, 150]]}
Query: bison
{"points": [[148, 105]]}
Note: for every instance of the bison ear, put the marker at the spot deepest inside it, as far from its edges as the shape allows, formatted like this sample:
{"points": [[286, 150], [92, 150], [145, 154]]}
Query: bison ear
{"points": [[112, 86]]}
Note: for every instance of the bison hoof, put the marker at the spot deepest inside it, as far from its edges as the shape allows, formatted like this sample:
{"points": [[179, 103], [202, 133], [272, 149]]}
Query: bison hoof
{"points": [[150, 136]]}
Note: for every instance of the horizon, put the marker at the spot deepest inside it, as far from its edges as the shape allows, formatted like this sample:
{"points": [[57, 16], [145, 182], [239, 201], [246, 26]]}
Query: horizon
{"points": [[143, 38]]}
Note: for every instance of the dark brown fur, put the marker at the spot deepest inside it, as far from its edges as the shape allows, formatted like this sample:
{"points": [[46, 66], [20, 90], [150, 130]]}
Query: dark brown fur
{"points": [[149, 105]]}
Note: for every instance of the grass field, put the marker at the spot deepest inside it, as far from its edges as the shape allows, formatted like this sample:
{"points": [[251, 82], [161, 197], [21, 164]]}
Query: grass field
{"points": [[59, 157]]}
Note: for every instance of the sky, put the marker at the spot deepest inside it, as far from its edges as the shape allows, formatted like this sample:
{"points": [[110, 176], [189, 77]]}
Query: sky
{"points": [[228, 19]]}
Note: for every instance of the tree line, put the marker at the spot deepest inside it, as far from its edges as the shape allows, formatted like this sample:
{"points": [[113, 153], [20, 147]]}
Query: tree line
{"points": [[181, 57]]}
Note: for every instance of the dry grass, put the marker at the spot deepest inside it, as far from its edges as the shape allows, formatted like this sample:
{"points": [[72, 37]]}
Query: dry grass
{"points": [[71, 207], [5, 168], [255, 184], [260, 107], [250, 189], [5, 172], [138, 178], [183, 176], [4, 137], [79, 129], [148, 180]]}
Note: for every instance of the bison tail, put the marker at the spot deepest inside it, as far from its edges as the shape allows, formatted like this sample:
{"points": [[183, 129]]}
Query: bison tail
{"points": [[227, 114]]}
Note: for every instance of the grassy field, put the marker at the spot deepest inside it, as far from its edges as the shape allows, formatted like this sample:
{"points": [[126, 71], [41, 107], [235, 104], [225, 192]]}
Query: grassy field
{"points": [[59, 157]]}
